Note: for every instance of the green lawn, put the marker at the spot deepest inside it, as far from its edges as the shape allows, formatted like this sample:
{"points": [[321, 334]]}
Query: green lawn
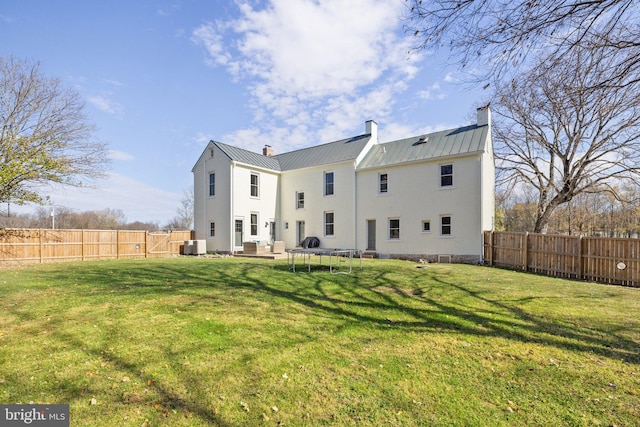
{"points": [[238, 342]]}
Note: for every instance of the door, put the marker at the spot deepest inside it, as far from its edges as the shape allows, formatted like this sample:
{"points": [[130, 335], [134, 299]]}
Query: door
{"points": [[272, 230], [300, 232], [238, 237], [371, 234]]}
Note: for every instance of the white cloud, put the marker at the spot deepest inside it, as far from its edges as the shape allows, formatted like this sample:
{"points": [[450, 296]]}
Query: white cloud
{"points": [[105, 104], [432, 92], [120, 155], [314, 70]]}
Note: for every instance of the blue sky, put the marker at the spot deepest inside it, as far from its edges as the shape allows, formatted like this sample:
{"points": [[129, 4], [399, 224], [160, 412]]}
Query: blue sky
{"points": [[162, 78]]}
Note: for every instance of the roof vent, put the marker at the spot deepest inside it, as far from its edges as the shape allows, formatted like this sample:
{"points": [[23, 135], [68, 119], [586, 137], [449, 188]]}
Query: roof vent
{"points": [[423, 139]]}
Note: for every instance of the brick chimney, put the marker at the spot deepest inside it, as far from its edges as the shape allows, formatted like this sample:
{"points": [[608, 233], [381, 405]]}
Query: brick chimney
{"points": [[267, 151]]}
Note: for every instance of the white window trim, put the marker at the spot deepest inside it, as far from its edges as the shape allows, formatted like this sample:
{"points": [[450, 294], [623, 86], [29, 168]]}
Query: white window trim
{"points": [[251, 175], [257, 214], [389, 238], [214, 230], [325, 224], [453, 176], [298, 200], [422, 226], [446, 236], [209, 185], [379, 184], [333, 183]]}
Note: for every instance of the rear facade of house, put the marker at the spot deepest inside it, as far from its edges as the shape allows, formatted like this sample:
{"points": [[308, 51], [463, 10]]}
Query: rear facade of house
{"points": [[428, 196]]}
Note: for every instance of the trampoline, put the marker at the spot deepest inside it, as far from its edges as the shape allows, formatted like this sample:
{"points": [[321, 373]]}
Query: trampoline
{"points": [[335, 255]]}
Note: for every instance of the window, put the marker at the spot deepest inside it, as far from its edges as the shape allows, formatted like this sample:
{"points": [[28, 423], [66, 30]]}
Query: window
{"points": [[394, 228], [445, 225], [299, 200], [383, 180], [328, 183], [254, 185], [426, 226], [446, 175], [254, 224], [212, 229], [328, 223], [212, 184]]}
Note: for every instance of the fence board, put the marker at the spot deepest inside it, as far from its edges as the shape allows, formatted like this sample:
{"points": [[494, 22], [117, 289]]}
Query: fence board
{"points": [[40, 245], [598, 259]]}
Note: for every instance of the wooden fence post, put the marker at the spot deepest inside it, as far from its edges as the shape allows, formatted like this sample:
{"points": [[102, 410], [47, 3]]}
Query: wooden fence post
{"points": [[491, 254], [526, 251], [580, 259]]}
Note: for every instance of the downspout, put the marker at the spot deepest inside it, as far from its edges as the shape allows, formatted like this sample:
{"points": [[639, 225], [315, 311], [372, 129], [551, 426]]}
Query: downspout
{"points": [[231, 208], [482, 196], [355, 205]]}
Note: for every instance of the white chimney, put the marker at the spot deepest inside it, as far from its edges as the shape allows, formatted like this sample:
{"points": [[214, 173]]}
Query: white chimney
{"points": [[484, 115], [371, 127]]}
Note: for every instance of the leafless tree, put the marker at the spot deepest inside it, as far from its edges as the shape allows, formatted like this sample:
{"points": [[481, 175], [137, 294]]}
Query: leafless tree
{"points": [[184, 219], [494, 37], [563, 135], [45, 136]]}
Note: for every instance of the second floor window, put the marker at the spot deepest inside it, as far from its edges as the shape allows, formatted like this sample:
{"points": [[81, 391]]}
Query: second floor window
{"points": [[300, 200], [446, 175], [255, 180], [212, 184], [328, 183], [383, 183]]}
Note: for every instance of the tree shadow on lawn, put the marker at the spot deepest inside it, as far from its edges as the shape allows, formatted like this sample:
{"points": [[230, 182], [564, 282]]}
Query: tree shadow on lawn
{"points": [[409, 307], [372, 298], [424, 302]]}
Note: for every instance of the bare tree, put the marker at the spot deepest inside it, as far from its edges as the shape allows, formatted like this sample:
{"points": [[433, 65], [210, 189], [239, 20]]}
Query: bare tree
{"points": [[496, 36], [184, 219], [562, 134], [45, 137]]}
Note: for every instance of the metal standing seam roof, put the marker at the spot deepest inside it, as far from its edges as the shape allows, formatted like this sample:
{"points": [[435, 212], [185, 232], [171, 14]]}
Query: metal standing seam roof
{"points": [[325, 154], [248, 157], [334, 152], [452, 142], [464, 140]]}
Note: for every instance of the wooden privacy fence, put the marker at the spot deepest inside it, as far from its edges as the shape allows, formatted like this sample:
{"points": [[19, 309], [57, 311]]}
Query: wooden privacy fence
{"points": [[42, 245], [597, 259]]}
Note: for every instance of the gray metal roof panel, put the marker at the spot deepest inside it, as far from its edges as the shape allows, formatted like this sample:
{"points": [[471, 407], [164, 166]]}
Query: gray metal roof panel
{"points": [[325, 154], [452, 142], [248, 157]]}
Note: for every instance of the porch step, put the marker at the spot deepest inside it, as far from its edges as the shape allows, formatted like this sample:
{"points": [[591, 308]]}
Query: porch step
{"points": [[370, 254]]}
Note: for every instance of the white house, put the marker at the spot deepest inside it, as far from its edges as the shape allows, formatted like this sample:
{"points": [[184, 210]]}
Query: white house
{"points": [[428, 196]]}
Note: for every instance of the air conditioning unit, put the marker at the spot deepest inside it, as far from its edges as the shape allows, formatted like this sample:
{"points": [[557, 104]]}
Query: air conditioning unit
{"points": [[188, 247], [199, 247]]}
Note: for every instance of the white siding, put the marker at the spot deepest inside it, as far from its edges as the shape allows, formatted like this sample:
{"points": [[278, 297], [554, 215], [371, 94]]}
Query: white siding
{"points": [[342, 203], [215, 208], [414, 195], [265, 205]]}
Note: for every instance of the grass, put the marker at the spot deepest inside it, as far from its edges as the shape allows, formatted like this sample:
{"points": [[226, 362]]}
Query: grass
{"points": [[236, 342]]}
